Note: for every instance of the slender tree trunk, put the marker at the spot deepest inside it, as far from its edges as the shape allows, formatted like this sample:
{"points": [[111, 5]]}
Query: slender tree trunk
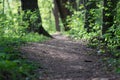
{"points": [[74, 4], [56, 15], [3, 6], [64, 12], [89, 15], [108, 14], [32, 5]]}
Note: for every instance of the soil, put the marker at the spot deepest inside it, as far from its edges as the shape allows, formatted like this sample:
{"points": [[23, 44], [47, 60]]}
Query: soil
{"points": [[64, 59]]}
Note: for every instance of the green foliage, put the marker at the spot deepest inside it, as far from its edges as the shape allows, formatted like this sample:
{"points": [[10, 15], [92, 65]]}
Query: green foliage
{"points": [[10, 26], [34, 37], [77, 23], [13, 33], [108, 44], [46, 10], [112, 39], [12, 67]]}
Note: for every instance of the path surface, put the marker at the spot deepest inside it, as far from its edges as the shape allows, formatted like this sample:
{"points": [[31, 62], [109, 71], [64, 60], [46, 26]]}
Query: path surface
{"points": [[64, 59]]}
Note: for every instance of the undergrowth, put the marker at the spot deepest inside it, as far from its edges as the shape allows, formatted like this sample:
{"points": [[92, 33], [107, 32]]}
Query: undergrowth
{"points": [[107, 45], [13, 66]]}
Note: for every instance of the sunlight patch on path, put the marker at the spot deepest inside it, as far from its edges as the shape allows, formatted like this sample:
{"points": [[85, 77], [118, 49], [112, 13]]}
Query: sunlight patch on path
{"points": [[64, 59]]}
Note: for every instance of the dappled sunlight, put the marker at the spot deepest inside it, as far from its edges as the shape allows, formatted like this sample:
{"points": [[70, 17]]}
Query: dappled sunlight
{"points": [[64, 59], [77, 67], [64, 56], [59, 39]]}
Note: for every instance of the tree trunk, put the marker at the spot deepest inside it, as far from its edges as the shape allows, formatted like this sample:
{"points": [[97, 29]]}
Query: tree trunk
{"points": [[89, 15], [108, 14], [64, 12], [56, 15], [32, 5], [74, 4]]}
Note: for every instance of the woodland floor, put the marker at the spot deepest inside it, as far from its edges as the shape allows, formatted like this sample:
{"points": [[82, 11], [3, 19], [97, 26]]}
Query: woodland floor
{"points": [[64, 59]]}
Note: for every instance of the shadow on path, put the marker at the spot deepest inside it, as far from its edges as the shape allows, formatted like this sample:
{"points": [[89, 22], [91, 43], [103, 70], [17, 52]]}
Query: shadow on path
{"points": [[64, 59]]}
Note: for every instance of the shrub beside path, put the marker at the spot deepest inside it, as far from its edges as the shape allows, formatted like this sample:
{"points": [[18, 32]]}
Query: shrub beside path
{"points": [[64, 59]]}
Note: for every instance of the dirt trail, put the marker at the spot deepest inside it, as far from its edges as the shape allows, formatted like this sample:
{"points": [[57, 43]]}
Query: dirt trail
{"points": [[64, 59]]}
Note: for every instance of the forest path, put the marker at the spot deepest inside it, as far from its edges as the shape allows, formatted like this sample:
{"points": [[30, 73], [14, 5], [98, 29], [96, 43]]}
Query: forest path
{"points": [[64, 59]]}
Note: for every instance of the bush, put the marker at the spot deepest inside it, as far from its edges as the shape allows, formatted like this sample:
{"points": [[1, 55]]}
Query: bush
{"points": [[13, 34]]}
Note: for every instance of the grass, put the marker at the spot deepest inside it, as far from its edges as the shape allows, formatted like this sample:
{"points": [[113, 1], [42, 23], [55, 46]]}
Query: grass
{"points": [[12, 65]]}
